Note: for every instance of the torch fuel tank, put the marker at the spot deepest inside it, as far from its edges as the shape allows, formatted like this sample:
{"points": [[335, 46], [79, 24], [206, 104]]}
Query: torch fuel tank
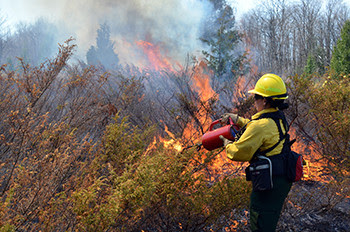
{"points": [[211, 140]]}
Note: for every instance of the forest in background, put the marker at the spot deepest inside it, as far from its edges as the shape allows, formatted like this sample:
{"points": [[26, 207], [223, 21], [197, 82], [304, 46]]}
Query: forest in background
{"points": [[94, 145]]}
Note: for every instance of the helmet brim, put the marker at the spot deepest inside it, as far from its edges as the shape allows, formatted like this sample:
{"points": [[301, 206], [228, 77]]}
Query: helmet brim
{"points": [[278, 97]]}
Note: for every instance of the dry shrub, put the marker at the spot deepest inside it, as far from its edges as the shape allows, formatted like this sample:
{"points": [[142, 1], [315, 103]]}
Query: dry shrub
{"points": [[321, 106], [65, 167], [40, 157], [161, 189], [320, 114]]}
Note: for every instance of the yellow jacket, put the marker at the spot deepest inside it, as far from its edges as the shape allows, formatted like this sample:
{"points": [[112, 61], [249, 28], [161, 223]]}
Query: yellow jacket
{"points": [[259, 134]]}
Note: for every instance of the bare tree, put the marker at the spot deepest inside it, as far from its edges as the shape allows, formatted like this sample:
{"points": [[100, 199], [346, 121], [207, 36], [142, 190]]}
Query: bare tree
{"points": [[267, 27], [305, 18], [32, 42], [335, 15], [2, 37], [285, 34]]}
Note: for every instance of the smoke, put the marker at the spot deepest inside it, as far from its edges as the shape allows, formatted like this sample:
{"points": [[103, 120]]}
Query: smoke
{"points": [[172, 25]]}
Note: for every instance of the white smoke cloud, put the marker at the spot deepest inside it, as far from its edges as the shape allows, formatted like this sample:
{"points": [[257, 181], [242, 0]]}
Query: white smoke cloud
{"points": [[173, 25]]}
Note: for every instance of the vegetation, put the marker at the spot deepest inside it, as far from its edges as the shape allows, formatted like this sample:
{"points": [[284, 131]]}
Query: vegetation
{"points": [[103, 54], [34, 43], [223, 40], [58, 171], [81, 147], [160, 189], [322, 105], [284, 34], [341, 55]]}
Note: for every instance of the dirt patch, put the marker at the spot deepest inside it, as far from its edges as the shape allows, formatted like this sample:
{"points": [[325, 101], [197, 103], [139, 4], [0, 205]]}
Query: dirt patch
{"points": [[314, 206]]}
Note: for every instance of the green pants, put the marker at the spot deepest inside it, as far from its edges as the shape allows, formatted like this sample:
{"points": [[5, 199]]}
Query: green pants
{"points": [[266, 206]]}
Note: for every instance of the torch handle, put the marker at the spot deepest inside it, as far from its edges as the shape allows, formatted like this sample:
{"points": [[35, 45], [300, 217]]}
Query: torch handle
{"points": [[213, 124], [219, 121]]}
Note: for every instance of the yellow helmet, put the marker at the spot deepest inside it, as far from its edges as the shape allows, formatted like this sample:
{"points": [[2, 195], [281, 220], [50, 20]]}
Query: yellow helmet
{"points": [[270, 85]]}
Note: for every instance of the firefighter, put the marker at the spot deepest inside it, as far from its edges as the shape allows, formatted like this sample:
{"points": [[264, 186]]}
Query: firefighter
{"points": [[259, 135]]}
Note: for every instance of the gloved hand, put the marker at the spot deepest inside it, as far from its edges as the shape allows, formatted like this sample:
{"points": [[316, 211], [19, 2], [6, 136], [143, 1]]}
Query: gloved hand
{"points": [[225, 116], [226, 141]]}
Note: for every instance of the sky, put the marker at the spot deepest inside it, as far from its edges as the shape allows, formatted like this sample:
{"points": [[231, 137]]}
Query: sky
{"points": [[172, 25], [16, 11], [173, 22]]}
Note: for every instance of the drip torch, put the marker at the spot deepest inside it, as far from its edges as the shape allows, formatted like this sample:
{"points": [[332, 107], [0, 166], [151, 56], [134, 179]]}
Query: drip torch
{"points": [[211, 140]]}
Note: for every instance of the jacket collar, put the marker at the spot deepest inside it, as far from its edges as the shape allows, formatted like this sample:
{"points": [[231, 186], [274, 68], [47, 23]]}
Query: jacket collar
{"points": [[269, 110]]}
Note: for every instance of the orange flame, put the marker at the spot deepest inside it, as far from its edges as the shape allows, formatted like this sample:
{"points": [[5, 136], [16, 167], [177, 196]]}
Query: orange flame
{"points": [[313, 165], [155, 58], [201, 83], [201, 78], [152, 145], [172, 142]]}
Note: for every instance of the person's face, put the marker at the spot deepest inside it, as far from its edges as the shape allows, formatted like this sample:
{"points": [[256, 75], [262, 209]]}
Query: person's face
{"points": [[259, 102]]}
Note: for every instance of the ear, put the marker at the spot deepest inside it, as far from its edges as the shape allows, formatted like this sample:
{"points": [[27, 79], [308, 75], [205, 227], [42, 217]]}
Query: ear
{"points": [[265, 101]]}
